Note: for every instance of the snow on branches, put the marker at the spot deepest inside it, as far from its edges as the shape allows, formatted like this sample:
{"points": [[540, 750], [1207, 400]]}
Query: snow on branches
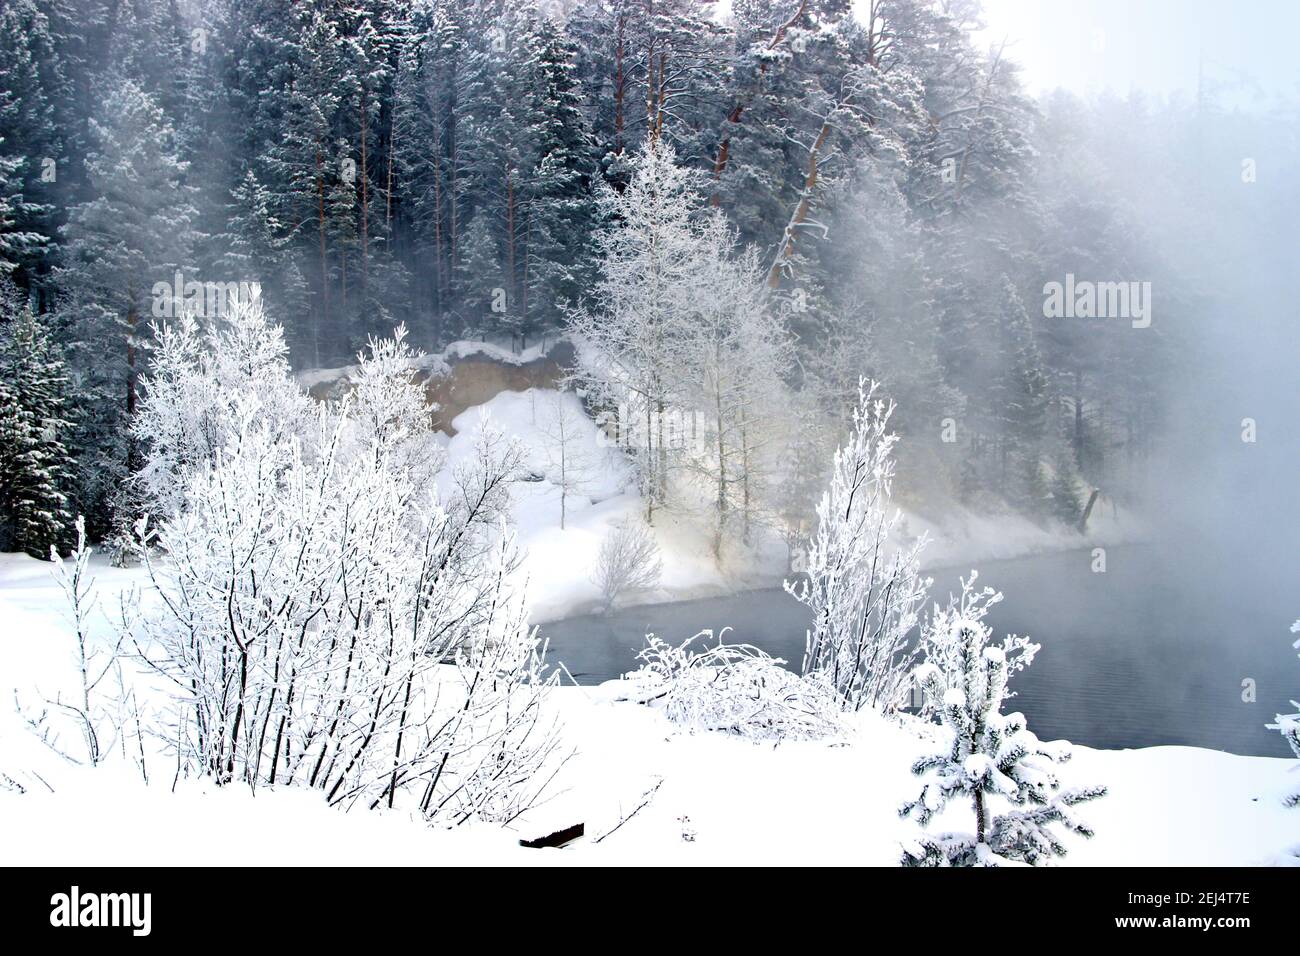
{"points": [[198, 376], [990, 758], [734, 688], [330, 621], [628, 560], [865, 593]]}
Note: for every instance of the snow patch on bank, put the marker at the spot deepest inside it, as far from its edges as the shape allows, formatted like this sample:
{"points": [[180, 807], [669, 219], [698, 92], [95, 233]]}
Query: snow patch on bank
{"points": [[559, 563]]}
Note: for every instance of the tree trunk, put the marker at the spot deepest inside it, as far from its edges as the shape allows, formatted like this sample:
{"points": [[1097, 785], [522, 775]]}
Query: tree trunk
{"points": [[738, 110], [786, 248], [365, 198], [320, 228]]}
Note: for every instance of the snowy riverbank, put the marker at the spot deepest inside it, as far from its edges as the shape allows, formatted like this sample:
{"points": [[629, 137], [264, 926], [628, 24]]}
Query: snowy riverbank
{"points": [[559, 563], [719, 799]]}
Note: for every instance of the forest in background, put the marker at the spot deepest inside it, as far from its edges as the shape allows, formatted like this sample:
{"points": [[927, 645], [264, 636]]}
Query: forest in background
{"points": [[454, 166]]}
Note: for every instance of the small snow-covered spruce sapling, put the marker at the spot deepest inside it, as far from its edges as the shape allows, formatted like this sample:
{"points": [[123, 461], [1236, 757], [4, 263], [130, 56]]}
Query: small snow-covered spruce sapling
{"points": [[991, 759], [1288, 725]]}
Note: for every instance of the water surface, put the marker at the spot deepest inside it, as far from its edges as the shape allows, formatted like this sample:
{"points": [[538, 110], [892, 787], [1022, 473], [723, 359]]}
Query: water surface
{"points": [[1138, 655]]}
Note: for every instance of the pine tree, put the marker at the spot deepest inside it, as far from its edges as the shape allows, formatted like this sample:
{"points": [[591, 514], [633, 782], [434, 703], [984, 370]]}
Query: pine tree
{"points": [[30, 140], [35, 468], [558, 192], [133, 235], [991, 759]]}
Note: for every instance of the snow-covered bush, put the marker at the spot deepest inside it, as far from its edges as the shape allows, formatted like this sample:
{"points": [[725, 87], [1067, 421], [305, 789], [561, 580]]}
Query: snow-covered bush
{"points": [[388, 411], [197, 377], [735, 688], [628, 560], [990, 758], [1288, 725], [96, 715], [199, 374], [329, 617], [864, 592], [305, 609]]}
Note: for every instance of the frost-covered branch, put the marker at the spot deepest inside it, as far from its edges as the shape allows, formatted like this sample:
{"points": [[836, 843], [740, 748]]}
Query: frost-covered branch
{"points": [[734, 688], [864, 589], [628, 560]]}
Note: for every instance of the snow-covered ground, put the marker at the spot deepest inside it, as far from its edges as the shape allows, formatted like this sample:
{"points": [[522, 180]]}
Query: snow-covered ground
{"points": [[718, 799]]}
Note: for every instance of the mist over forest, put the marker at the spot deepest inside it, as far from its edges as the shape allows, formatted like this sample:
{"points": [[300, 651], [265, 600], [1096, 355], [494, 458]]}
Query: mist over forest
{"points": [[441, 165], [504, 314]]}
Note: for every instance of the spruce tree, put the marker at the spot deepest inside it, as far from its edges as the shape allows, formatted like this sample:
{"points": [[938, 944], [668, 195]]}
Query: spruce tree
{"points": [[133, 234], [31, 143], [991, 759], [558, 193], [35, 467]]}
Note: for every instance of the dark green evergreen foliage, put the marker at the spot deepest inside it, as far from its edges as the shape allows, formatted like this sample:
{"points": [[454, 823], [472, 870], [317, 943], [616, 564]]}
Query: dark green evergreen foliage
{"points": [[35, 407]]}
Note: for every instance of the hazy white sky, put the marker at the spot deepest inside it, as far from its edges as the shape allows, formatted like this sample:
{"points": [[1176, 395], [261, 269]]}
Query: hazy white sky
{"points": [[1248, 47]]}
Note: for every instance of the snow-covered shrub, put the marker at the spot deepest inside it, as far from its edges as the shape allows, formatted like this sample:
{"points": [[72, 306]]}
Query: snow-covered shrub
{"points": [[628, 560], [1288, 725], [990, 758], [96, 716], [306, 605], [197, 377], [865, 594], [735, 688], [388, 410]]}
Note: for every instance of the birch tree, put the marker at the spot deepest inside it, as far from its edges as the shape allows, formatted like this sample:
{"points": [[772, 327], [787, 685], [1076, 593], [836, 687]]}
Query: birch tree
{"points": [[632, 335]]}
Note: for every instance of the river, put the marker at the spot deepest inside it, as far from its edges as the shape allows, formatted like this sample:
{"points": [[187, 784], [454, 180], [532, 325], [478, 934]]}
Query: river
{"points": [[1138, 655]]}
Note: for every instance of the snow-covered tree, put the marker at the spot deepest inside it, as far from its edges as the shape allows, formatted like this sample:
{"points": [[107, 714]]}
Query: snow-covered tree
{"points": [[32, 135], [16, 243], [643, 302], [989, 758], [864, 590], [568, 460], [628, 560], [35, 411], [736, 351], [389, 409]]}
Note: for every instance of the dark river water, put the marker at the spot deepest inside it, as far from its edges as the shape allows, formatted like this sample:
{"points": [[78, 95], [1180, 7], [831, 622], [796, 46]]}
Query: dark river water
{"points": [[1137, 656]]}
